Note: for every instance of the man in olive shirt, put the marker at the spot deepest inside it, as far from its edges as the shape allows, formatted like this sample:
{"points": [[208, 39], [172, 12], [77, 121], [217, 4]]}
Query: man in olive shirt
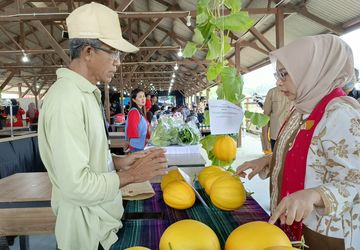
{"points": [[73, 141], [277, 106]]}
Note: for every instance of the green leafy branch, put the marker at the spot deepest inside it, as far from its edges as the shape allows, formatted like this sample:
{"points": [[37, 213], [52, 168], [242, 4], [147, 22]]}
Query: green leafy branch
{"points": [[212, 32]]}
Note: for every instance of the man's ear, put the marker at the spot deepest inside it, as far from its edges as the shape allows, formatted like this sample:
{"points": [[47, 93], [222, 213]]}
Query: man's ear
{"points": [[87, 52]]}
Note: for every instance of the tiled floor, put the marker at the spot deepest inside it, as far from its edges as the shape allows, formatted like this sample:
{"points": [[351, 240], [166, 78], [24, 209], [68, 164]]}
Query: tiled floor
{"points": [[251, 149]]}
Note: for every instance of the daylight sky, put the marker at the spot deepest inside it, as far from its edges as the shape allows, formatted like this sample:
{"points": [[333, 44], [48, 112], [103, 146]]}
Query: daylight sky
{"points": [[262, 79]]}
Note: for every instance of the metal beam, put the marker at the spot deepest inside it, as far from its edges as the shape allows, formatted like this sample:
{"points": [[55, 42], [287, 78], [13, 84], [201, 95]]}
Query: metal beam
{"points": [[148, 32], [123, 5], [7, 80], [262, 39], [11, 17], [51, 41]]}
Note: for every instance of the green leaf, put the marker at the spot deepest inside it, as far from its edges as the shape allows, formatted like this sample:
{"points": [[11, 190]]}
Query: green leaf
{"points": [[202, 4], [198, 37], [206, 31], [227, 46], [189, 50], [257, 119], [214, 47], [208, 142], [220, 92], [234, 5], [232, 85], [214, 70], [235, 22], [206, 118], [202, 19]]}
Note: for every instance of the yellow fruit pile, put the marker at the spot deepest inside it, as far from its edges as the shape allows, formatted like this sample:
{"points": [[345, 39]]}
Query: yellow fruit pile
{"points": [[226, 191], [176, 192]]}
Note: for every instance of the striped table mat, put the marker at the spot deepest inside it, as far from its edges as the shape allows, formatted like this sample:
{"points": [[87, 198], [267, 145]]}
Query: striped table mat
{"points": [[159, 216], [146, 233]]}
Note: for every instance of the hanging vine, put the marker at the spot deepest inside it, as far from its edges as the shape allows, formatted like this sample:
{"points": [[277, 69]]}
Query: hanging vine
{"points": [[212, 32]]}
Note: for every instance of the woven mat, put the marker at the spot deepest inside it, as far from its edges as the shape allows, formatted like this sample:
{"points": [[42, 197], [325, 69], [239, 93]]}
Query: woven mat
{"points": [[147, 232]]}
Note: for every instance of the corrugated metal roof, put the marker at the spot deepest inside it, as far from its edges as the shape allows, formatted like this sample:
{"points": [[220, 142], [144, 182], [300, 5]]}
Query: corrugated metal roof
{"points": [[334, 12]]}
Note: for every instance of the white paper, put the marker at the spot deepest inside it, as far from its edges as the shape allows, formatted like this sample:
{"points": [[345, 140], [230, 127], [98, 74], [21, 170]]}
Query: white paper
{"points": [[188, 181], [188, 149], [225, 117]]}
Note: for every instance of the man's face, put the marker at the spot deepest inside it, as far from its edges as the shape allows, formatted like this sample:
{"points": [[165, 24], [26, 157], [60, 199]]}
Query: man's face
{"points": [[103, 63], [154, 99]]}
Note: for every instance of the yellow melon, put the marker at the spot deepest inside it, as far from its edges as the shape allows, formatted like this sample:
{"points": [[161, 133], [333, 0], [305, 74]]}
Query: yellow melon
{"points": [[256, 235], [189, 235]]}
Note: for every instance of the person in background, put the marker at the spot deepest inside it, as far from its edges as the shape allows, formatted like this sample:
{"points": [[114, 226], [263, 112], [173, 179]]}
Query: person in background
{"points": [[137, 130], [17, 112], [115, 108], [73, 142], [127, 109], [154, 105], [148, 103], [277, 107], [201, 109], [185, 111], [2, 116], [32, 114], [314, 170], [350, 89], [149, 116]]}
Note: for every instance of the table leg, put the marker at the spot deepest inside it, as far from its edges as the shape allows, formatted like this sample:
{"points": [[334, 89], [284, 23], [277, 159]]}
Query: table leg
{"points": [[24, 242]]}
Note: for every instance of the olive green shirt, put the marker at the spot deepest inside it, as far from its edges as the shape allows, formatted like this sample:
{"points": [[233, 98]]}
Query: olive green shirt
{"points": [[73, 145], [277, 106]]}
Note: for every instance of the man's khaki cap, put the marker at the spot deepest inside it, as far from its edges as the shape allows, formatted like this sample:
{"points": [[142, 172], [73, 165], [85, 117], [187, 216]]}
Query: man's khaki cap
{"points": [[96, 21]]}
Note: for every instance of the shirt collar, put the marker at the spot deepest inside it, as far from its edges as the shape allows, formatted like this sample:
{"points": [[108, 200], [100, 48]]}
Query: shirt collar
{"points": [[81, 82]]}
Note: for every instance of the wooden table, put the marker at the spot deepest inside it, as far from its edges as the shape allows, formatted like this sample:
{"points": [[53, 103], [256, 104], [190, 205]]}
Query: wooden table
{"points": [[25, 206], [117, 140]]}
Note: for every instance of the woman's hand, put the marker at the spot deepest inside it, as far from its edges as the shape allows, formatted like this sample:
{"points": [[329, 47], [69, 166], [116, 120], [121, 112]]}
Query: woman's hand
{"points": [[255, 165], [297, 206]]}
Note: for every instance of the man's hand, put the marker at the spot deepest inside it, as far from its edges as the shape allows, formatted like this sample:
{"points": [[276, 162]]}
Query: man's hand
{"points": [[125, 162], [297, 206], [152, 164]]}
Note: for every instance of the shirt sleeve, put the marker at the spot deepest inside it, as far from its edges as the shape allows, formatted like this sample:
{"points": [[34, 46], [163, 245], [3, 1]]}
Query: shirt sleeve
{"points": [[338, 144], [133, 124], [267, 103], [68, 151]]}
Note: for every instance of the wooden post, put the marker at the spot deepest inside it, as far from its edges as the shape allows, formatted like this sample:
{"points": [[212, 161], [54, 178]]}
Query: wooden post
{"points": [[19, 90], [36, 102], [279, 22]]}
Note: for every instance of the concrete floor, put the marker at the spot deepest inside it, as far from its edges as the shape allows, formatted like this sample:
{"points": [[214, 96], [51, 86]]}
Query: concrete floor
{"points": [[251, 149]]}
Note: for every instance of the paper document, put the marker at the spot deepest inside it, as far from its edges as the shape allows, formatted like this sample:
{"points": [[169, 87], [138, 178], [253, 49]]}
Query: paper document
{"points": [[188, 181], [225, 117]]}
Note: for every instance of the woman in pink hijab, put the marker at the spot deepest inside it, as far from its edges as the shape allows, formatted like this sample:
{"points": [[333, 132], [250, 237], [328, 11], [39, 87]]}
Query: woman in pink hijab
{"points": [[315, 167]]}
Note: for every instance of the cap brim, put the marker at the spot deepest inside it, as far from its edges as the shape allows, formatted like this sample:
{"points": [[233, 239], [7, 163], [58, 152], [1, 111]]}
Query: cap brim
{"points": [[121, 45]]}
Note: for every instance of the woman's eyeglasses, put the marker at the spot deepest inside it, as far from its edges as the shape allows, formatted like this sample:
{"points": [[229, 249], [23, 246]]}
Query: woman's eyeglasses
{"points": [[280, 75]]}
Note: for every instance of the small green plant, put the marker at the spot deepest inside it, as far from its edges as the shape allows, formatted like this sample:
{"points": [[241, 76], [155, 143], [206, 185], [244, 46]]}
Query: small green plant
{"points": [[212, 31]]}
